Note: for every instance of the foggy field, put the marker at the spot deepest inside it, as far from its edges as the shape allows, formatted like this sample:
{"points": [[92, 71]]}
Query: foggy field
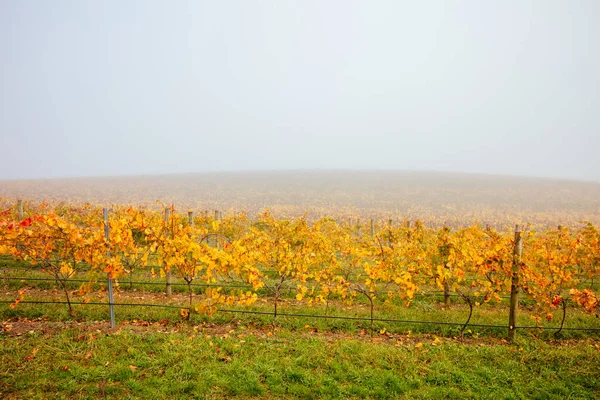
{"points": [[300, 199], [435, 196]]}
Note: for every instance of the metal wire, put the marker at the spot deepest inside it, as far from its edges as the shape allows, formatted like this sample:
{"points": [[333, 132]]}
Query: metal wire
{"points": [[124, 283], [321, 316], [96, 303]]}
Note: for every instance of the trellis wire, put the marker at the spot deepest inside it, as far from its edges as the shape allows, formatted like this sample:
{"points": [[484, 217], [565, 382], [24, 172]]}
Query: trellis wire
{"points": [[316, 316], [13, 278], [225, 286]]}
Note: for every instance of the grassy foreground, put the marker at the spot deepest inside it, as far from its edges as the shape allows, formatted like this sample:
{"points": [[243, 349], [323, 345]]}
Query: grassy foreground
{"points": [[153, 353], [50, 359]]}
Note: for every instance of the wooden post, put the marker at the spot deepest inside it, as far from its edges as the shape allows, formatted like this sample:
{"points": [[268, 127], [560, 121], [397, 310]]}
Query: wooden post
{"points": [[111, 299], [191, 218], [444, 251], [446, 255], [168, 289], [514, 285], [372, 228], [559, 234], [216, 240], [20, 208]]}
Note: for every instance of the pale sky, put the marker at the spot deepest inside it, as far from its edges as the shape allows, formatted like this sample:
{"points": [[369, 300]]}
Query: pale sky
{"points": [[142, 87]]}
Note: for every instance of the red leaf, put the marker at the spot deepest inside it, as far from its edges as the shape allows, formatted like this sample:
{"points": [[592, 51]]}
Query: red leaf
{"points": [[26, 222]]}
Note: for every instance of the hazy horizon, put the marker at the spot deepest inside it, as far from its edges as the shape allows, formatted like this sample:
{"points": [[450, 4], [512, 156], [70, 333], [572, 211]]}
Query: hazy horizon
{"points": [[436, 196], [149, 87], [307, 170]]}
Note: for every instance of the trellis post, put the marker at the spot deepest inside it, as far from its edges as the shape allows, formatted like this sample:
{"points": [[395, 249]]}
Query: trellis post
{"points": [[514, 285], [111, 300]]}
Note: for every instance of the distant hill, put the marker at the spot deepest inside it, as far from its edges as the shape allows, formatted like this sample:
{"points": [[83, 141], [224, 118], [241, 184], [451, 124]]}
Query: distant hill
{"points": [[401, 194]]}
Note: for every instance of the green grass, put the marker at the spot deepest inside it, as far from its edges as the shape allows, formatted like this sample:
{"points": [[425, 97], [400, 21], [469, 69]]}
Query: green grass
{"points": [[44, 353], [182, 361]]}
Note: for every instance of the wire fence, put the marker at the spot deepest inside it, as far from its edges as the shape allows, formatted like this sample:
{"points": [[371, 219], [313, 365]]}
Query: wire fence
{"points": [[18, 278], [274, 314], [511, 326], [303, 315], [207, 285]]}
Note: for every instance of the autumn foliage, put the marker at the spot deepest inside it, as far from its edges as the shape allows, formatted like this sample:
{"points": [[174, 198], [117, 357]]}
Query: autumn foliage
{"points": [[317, 260]]}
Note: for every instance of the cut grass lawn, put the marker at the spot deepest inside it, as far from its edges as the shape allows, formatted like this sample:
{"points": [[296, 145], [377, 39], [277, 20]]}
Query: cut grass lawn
{"points": [[44, 359]]}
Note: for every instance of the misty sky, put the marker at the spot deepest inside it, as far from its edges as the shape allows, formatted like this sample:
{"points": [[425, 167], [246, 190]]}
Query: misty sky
{"points": [[141, 87]]}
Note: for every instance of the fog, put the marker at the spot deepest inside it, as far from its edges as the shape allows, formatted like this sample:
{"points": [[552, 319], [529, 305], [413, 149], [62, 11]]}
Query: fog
{"points": [[90, 88]]}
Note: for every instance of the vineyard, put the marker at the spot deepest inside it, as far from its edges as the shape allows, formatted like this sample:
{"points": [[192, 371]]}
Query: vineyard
{"points": [[378, 273], [437, 199]]}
